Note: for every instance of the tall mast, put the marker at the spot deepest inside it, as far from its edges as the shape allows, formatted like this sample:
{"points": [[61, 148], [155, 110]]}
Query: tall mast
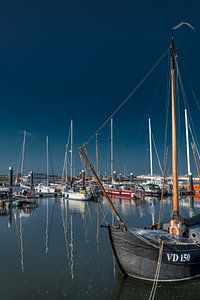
{"points": [[150, 149], [187, 143], [111, 148], [66, 164], [23, 154], [97, 155], [174, 131], [71, 150], [47, 155]]}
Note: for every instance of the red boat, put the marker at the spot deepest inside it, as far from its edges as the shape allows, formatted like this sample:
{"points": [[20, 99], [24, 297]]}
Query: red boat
{"points": [[124, 192]]}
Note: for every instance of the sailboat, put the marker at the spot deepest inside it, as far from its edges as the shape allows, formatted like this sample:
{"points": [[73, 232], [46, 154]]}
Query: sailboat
{"points": [[75, 192], [151, 187], [46, 189], [166, 251], [116, 189]]}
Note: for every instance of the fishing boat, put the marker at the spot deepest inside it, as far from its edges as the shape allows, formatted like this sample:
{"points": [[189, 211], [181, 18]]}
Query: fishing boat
{"points": [[166, 251]]}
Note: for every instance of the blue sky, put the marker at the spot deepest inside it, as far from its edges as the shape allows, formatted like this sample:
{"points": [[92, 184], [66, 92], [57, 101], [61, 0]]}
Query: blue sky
{"points": [[80, 59]]}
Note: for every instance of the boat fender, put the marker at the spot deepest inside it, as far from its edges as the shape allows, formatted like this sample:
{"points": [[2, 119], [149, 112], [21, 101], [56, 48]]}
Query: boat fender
{"points": [[176, 227], [174, 230]]}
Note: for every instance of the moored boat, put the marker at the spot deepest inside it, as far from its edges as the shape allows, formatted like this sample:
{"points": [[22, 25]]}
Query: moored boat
{"points": [[77, 193], [167, 251], [151, 189], [127, 191]]}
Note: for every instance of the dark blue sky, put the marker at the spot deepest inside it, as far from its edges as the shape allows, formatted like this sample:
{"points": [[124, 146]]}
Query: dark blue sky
{"points": [[79, 59]]}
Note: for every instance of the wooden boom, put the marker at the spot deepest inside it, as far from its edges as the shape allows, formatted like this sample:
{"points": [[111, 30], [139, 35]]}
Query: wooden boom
{"points": [[109, 202]]}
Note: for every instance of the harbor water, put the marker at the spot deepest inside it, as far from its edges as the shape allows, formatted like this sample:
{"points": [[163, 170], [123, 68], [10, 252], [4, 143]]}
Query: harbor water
{"points": [[59, 250]]}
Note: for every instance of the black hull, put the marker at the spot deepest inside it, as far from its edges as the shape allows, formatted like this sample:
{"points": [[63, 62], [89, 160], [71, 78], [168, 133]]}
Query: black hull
{"points": [[139, 258]]}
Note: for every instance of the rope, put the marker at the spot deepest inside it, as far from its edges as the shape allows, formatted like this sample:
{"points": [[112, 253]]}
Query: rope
{"points": [[158, 159], [66, 152], [104, 214], [163, 185], [197, 151], [167, 108], [155, 283], [129, 96], [186, 103]]}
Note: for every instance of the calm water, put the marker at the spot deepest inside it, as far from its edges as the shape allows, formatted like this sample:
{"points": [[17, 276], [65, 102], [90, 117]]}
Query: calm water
{"points": [[59, 251]]}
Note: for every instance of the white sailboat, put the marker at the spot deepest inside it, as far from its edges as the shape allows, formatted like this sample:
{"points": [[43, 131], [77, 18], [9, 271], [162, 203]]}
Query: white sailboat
{"points": [[76, 192], [46, 189]]}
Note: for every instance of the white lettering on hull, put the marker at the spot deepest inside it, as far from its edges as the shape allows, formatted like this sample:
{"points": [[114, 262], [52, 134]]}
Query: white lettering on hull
{"points": [[178, 257]]}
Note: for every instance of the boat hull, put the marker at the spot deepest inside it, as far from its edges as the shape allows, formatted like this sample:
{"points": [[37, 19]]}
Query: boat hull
{"points": [[124, 194], [139, 259], [77, 196]]}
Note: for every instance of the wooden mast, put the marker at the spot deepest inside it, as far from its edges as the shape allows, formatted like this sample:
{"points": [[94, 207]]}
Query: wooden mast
{"points": [[174, 132], [109, 202], [175, 225]]}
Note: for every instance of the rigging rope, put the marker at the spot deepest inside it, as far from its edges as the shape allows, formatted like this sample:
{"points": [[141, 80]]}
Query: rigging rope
{"points": [[66, 152], [163, 185], [191, 128], [167, 107], [155, 283], [129, 96], [197, 151], [147, 114], [187, 105], [157, 154]]}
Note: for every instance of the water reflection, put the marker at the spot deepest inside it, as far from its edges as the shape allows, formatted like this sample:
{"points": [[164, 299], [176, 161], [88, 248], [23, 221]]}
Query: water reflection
{"points": [[47, 228], [71, 248], [69, 210], [59, 251], [19, 214], [6, 211], [130, 288], [21, 242]]}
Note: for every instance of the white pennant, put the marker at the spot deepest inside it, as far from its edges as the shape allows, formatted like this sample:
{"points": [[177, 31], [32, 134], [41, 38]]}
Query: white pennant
{"points": [[184, 23]]}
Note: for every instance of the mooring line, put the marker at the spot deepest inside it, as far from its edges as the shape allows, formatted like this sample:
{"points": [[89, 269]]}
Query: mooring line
{"points": [[155, 282]]}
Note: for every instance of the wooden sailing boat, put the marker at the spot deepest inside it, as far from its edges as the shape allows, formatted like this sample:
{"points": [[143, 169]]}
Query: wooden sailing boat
{"points": [[166, 251]]}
